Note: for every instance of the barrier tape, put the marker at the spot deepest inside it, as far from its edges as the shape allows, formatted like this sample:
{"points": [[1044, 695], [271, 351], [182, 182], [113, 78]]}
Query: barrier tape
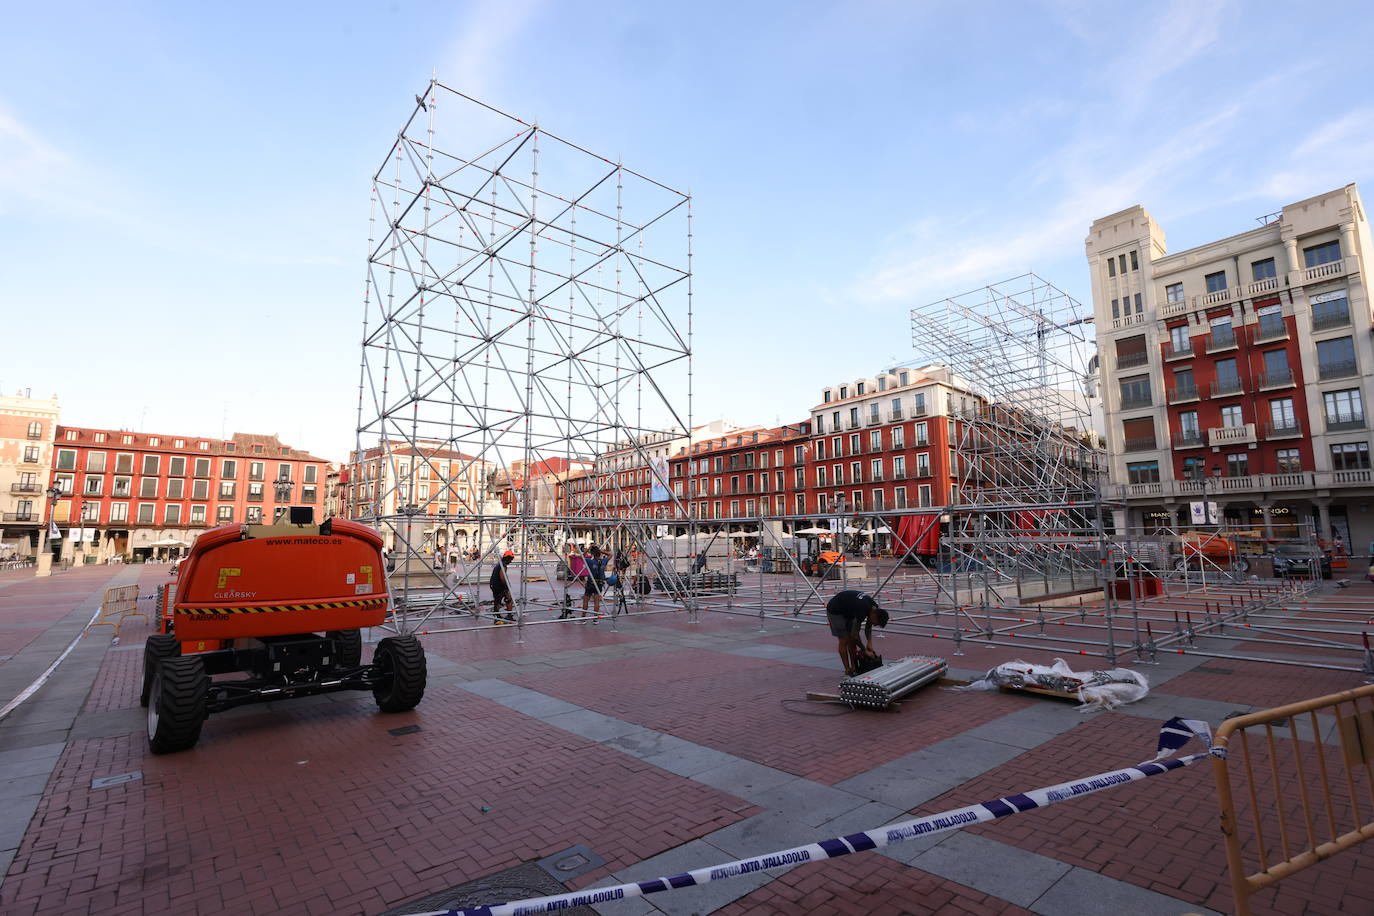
{"points": [[1173, 735], [279, 608]]}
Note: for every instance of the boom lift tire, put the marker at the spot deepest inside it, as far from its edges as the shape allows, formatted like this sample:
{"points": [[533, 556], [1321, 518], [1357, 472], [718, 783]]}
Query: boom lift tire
{"points": [[400, 664], [176, 710], [348, 647], [158, 647]]}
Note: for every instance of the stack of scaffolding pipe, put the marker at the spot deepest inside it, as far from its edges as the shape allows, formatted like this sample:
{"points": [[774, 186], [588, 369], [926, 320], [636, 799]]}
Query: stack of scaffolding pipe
{"points": [[881, 687]]}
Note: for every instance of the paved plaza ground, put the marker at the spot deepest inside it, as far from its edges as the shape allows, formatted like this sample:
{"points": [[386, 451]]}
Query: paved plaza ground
{"points": [[658, 744]]}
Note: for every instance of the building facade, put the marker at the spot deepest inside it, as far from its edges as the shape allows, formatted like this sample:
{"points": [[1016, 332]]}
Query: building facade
{"points": [[426, 479], [744, 474], [141, 496], [27, 428], [1237, 371], [884, 443]]}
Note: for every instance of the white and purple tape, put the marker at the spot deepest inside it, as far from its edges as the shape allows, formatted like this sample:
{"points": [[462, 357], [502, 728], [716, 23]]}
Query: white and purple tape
{"points": [[1173, 735]]}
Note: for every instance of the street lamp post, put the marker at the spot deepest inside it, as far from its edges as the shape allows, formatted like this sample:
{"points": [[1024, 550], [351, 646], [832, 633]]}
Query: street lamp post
{"points": [[44, 567], [282, 488]]}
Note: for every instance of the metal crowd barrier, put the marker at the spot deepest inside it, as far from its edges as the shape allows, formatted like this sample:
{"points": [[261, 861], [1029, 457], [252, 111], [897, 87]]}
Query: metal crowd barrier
{"points": [[116, 605], [1305, 801]]}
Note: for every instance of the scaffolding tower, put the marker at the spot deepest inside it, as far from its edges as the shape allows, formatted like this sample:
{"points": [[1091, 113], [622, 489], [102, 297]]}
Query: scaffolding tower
{"points": [[528, 306], [1025, 458]]}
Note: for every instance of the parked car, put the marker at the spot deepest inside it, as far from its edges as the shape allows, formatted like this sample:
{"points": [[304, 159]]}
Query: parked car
{"points": [[1295, 561]]}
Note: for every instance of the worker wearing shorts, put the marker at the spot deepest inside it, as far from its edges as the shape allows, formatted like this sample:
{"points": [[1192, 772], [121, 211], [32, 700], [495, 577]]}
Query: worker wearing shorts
{"points": [[851, 615], [595, 582]]}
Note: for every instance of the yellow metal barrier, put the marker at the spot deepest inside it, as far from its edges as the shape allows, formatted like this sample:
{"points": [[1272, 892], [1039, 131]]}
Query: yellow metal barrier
{"points": [[1307, 799], [116, 604]]}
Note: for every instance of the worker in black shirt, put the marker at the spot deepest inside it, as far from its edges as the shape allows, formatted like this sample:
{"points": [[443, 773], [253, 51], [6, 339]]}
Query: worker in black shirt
{"points": [[848, 613], [500, 588]]}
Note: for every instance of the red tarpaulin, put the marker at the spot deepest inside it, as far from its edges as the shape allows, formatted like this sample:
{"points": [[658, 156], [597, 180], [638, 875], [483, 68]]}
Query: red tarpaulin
{"points": [[918, 533]]}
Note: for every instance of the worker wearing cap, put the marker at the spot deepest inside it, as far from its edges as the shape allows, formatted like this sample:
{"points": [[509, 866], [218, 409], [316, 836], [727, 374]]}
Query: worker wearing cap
{"points": [[500, 588], [849, 612]]}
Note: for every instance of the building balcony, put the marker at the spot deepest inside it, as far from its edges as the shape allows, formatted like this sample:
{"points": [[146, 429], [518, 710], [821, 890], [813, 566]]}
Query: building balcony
{"points": [[1221, 340], [1343, 368], [876, 476], [1178, 351], [1131, 360], [1173, 307], [1283, 429], [918, 412], [1231, 435], [1323, 271], [1188, 438], [1155, 488], [1140, 444], [874, 419], [1338, 426], [1127, 321], [21, 517], [899, 474], [1216, 297], [1278, 378], [1253, 483], [25, 488], [1136, 402], [1327, 319], [1270, 329], [895, 415], [921, 443], [1224, 387], [852, 424], [1180, 393], [1260, 287], [1347, 478]]}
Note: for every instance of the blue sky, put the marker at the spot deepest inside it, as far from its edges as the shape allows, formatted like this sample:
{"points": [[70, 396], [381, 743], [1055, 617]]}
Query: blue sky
{"points": [[184, 187]]}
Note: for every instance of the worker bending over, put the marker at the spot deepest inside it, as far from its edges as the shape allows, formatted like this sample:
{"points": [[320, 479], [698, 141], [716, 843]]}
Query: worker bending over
{"points": [[852, 614]]}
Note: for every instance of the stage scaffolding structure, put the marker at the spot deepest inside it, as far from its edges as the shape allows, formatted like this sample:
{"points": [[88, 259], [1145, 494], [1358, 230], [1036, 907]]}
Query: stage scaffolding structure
{"points": [[527, 309]]}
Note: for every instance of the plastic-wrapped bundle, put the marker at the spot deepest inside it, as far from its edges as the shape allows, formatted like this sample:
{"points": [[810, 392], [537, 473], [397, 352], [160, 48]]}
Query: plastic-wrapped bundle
{"points": [[1095, 689], [881, 687]]}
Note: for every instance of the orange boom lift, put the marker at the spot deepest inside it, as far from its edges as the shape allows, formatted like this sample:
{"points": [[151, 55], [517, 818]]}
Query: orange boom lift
{"points": [[282, 605]]}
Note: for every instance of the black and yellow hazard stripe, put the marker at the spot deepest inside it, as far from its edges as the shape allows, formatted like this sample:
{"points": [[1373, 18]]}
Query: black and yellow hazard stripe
{"points": [[199, 611]]}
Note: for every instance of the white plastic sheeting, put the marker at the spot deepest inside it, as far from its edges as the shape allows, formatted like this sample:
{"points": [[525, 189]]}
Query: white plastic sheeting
{"points": [[1095, 689]]}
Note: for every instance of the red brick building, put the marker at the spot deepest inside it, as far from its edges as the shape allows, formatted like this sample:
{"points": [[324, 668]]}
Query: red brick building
{"points": [[745, 474], [146, 495]]}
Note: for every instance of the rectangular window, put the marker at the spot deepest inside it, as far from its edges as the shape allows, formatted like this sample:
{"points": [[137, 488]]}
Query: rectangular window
{"points": [[1215, 282], [30, 454], [1350, 456], [312, 470], [64, 482], [176, 466], [825, 396], [1111, 267], [1179, 341], [820, 475], [66, 459], [1238, 464], [837, 447], [202, 467], [1287, 461], [1135, 261], [1142, 472], [171, 514], [1343, 409], [1228, 377], [308, 493], [1336, 358], [147, 513], [95, 462], [1281, 415], [1231, 416], [899, 498], [197, 515], [119, 512], [875, 441], [1263, 270], [94, 486], [854, 445], [1131, 352], [200, 489], [924, 495], [919, 407], [1138, 306], [255, 470], [1135, 392], [1116, 308], [254, 514], [123, 487], [224, 515], [226, 489], [1324, 253], [229, 468], [1173, 292], [147, 487], [820, 449], [1121, 263], [855, 472], [1330, 310], [176, 488], [124, 463], [1138, 434], [899, 467], [923, 464], [151, 464]]}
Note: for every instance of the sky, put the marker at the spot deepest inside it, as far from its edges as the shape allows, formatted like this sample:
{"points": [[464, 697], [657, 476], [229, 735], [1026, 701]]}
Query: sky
{"points": [[184, 187]]}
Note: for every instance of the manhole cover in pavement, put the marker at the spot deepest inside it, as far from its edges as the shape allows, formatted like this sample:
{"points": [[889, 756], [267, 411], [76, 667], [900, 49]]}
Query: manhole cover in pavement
{"points": [[518, 883]]}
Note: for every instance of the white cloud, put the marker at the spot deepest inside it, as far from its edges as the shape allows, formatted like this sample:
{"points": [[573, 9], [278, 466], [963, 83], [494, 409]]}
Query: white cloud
{"points": [[482, 47]]}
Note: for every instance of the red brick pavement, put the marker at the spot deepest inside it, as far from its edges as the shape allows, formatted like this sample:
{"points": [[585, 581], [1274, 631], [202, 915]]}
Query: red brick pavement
{"points": [[307, 808], [755, 709], [1160, 834], [1260, 684], [865, 884], [539, 639]]}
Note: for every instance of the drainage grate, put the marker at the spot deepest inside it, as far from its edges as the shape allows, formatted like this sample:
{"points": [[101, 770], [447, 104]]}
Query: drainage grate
{"points": [[404, 730], [106, 782], [518, 883]]}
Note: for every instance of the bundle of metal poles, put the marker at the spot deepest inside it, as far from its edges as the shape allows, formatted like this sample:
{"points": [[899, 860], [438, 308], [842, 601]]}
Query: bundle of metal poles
{"points": [[881, 687]]}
